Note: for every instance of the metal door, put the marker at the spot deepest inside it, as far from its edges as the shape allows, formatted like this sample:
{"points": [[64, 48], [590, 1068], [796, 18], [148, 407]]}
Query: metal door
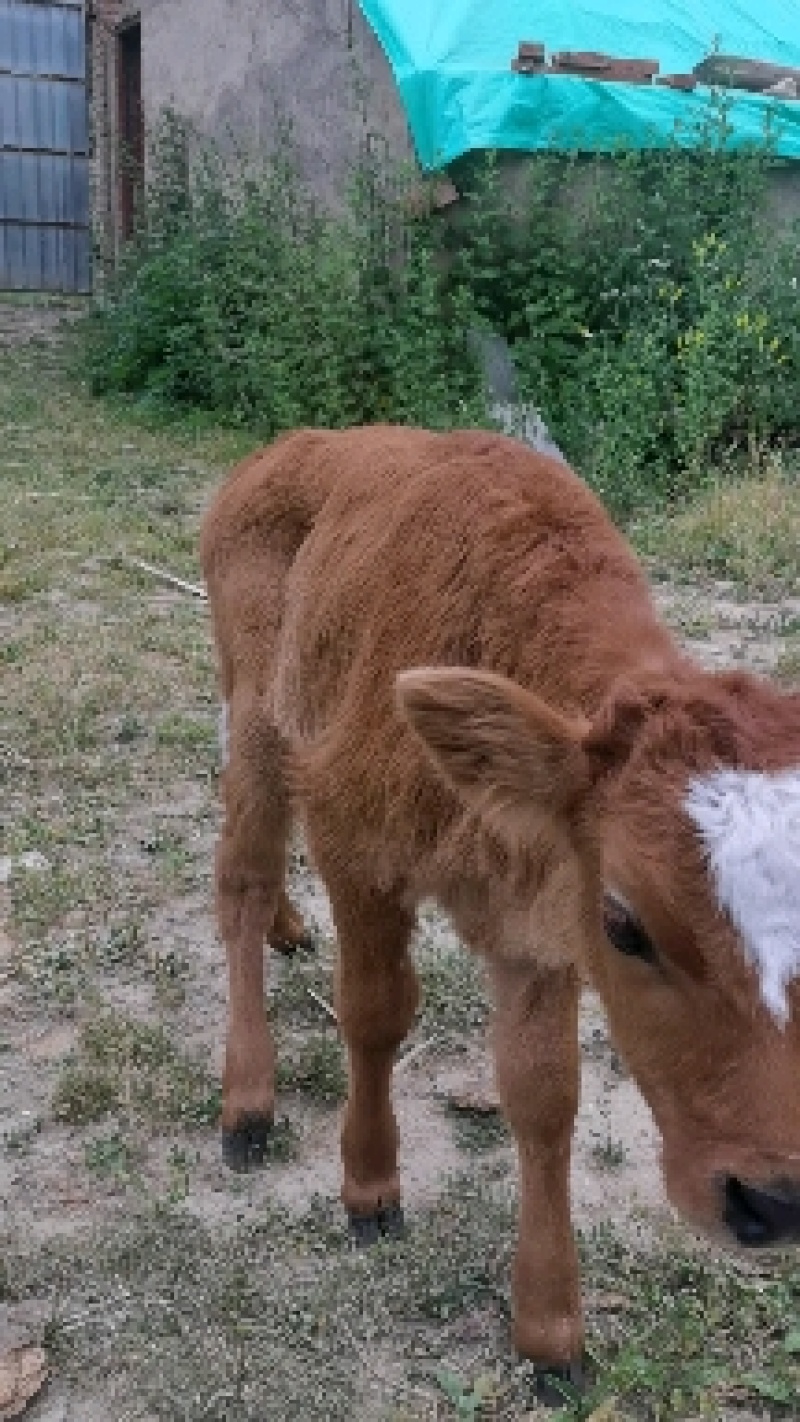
{"points": [[44, 147]]}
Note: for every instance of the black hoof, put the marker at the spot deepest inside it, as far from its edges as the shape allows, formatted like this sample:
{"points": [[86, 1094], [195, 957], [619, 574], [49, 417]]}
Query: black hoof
{"points": [[558, 1386], [289, 947], [246, 1147], [364, 1230], [386, 1223]]}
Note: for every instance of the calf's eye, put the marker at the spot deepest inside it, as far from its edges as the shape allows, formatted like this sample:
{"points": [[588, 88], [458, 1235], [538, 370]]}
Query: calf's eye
{"points": [[625, 932]]}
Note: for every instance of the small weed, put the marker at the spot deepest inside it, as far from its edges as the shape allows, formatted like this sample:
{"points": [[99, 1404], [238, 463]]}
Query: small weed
{"points": [[314, 1066], [178, 1165], [169, 972], [184, 733], [170, 853], [41, 899], [609, 1154], [283, 1142], [19, 1141], [86, 1092], [29, 834], [111, 1156], [787, 667], [478, 1130], [468, 1400], [60, 969], [129, 729], [121, 946], [56, 972], [698, 628]]}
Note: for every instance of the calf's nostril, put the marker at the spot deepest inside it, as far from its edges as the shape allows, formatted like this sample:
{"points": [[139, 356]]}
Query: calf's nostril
{"points": [[742, 1217], [760, 1216]]}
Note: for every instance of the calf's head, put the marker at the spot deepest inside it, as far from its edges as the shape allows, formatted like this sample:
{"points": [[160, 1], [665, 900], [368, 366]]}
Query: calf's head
{"points": [[673, 822]]}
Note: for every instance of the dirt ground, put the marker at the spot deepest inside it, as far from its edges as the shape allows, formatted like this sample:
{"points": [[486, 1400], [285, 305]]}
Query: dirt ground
{"points": [[107, 914]]}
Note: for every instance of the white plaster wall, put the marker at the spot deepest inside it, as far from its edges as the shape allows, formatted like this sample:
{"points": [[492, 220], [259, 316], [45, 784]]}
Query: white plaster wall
{"points": [[227, 64]]}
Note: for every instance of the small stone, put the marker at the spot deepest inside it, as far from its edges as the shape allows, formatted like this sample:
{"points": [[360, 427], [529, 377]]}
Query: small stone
{"points": [[23, 1373]]}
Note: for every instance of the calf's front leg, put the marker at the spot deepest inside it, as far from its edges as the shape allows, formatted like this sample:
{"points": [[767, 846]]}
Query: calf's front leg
{"points": [[376, 998], [537, 1070]]}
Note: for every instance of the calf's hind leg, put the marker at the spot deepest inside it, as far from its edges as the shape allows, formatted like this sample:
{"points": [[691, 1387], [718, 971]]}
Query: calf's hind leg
{"points": [[376, 999], [250, 869]]}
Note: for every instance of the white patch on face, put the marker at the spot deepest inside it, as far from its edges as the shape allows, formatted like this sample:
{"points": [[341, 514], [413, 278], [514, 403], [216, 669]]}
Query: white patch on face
{"points": [[750, 826], [224, 733]]}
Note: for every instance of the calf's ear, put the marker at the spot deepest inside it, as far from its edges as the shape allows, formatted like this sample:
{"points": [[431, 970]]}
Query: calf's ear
{"points": [[509, 755]]}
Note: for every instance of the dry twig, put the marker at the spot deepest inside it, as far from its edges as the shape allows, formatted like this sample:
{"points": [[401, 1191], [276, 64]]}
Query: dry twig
{"points": [[164, 576], [414, 1053], [326, 1007]]}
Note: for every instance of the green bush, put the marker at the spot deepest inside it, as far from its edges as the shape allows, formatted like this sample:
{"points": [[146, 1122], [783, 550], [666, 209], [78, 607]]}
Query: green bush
{"points": [[653, 316], [653, 311], [240, 297]]}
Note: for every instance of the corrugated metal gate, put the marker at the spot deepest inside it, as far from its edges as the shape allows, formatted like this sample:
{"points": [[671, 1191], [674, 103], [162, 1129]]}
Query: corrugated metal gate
{"points": [[44, 147]]}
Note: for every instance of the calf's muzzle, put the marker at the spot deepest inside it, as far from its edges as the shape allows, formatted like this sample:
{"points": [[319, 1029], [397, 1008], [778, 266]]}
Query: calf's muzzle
{"points": [[762, 1215]]}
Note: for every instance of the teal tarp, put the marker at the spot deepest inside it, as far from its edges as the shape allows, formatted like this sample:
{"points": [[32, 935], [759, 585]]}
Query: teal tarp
{"points": [[451, 60]]}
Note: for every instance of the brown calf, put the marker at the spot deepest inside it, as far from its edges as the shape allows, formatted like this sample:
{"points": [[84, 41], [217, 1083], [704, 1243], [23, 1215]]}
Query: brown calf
{"points": [[438, 653]]}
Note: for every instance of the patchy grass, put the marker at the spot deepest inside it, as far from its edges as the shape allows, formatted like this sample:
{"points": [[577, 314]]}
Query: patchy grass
{"points": [[478, 1130], [745, 528], [185, 733], [313, 1065], [133, 1070], [66, 968], [280, 1319], [686, 1335], [42, 900]]}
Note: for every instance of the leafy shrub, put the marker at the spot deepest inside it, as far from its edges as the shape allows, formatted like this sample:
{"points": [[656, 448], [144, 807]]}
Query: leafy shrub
{"points": [[240, 297], [653, 315]]}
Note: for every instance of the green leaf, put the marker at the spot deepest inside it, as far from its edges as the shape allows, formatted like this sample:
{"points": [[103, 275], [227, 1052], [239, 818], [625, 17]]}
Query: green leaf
{"points": [[774, 1389], [451, 1386]]}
